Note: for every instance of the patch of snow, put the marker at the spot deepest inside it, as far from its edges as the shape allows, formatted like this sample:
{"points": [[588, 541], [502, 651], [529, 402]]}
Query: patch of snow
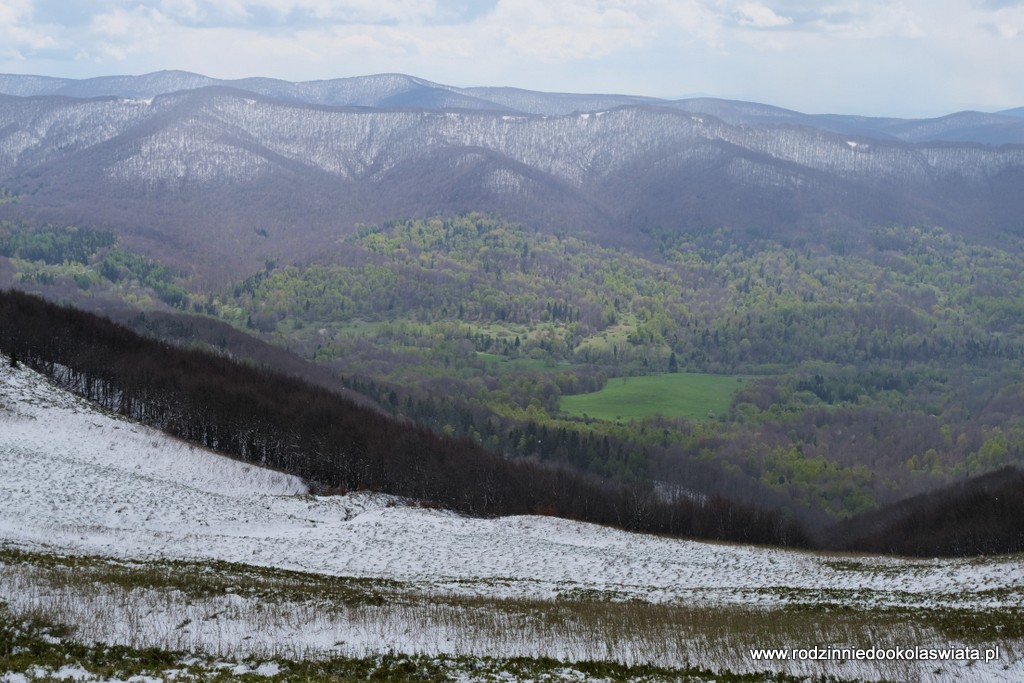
{"points": [[268, 669], [75, 672]]}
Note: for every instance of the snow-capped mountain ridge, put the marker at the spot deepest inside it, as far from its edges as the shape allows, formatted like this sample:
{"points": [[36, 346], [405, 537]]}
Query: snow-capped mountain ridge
{"points": [[245, 158], [357, 143], [382, 91]]}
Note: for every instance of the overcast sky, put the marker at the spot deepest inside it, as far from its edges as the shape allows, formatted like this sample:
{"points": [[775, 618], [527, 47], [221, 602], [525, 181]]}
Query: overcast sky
{"points": [[901, 58]]}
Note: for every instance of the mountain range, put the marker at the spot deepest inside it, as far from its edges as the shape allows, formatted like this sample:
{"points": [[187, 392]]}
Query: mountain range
{"points": [[280, 169], [399, 91]]}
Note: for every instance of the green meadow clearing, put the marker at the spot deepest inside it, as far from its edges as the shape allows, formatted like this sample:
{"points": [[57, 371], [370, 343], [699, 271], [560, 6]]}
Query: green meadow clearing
{"points": [[685, 394]]}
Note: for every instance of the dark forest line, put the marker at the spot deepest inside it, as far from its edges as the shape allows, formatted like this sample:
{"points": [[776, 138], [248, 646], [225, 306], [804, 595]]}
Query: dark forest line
{"points": [[981, 516]]}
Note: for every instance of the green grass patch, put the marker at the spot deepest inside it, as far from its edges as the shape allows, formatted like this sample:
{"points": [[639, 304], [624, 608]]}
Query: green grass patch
{"points": [[685, 394]]}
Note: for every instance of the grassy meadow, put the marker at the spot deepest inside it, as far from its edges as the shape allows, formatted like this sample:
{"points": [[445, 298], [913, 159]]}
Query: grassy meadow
{"points": [[691, 395]]}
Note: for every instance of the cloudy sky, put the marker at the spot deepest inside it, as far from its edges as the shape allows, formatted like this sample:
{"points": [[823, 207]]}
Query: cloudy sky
{"points": [[888, 57]]}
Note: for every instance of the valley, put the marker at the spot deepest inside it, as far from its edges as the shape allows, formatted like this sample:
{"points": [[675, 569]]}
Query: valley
{"points": [[850, 375]]}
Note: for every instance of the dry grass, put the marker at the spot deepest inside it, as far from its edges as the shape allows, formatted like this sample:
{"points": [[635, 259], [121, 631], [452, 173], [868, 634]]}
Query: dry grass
{"points": [[225, 610]]}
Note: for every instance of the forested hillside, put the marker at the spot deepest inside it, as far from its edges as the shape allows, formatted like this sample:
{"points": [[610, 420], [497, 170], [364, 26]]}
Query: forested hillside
{"points": [[333, 443], [978, 517], [217, 180], [830, 377]]}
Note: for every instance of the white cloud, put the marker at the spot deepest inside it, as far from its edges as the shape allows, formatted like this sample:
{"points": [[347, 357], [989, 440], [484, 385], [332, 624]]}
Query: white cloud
{"points": [[353, 11], [1007, 30], [572, 29], [343, 42], [120, 33], [1006, 20], [189, 10], [18, 35], [14, 11], [557, 43], [760, 16]]}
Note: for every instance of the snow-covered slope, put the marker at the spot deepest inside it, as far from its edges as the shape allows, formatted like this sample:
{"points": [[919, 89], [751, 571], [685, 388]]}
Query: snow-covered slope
{"points": [[82, 481], [242, 158], [237, 135], [77, 480]]}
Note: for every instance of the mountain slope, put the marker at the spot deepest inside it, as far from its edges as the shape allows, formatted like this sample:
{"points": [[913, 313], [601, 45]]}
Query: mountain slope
{"points": [[225, 164], [978, 516], [269, 419], [79, 479], [133, 539]]}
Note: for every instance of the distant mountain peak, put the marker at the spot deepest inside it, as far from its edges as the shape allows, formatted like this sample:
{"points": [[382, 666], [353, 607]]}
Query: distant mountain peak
{"points": [[398, 91]]}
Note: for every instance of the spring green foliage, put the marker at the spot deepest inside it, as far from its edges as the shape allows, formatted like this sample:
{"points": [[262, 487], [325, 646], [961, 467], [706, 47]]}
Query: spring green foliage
{"points": [[122, 265], [690, 395], [52, 255], [884, 365], [52, 245], [877, 361], [718, 302]]}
